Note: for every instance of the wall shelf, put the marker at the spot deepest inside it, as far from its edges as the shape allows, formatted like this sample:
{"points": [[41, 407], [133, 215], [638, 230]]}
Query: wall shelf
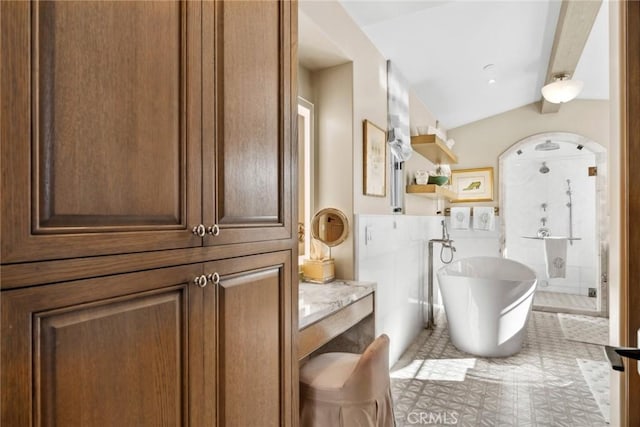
{"points": [[433, 149], [431, 191]]}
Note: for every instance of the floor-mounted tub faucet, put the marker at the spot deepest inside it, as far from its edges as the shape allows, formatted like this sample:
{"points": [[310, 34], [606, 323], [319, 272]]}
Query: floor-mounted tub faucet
{"points": [[446, 242]]}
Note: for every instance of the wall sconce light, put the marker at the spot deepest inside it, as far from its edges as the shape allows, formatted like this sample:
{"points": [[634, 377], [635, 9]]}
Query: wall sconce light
{"points": [[563, 89]]}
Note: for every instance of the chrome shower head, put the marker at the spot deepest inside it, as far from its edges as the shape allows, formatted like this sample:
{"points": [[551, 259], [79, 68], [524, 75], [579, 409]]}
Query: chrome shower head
{"points": [[544, 168], [547, 146]]}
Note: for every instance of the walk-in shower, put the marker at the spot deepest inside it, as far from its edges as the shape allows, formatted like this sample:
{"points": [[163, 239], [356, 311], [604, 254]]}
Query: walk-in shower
{"points": [[555, 187]]}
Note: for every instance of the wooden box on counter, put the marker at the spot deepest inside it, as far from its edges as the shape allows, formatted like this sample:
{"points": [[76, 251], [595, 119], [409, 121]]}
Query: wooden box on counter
{"points": [[319, 271]]}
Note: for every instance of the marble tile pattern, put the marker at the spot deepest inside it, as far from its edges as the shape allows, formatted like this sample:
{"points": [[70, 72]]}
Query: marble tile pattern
{"points": [[594, 330], [597, 375], [563, 300], [433, 383], [316, 301]]}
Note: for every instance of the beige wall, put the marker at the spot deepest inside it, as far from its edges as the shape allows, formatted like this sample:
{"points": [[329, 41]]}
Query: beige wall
{"points": [[344, 96], [369, 101], [479, 144], [369, 98], [369, 92], [333, 183], [305, 89]]}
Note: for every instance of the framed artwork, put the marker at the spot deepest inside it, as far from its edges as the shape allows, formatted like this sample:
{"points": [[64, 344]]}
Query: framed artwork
{"points": [[375, 160], [472, 185]]}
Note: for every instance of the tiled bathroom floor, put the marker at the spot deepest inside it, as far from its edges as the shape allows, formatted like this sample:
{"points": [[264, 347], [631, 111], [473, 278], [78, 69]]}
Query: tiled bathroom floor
{"points": [[435, 384], [560, 300]]}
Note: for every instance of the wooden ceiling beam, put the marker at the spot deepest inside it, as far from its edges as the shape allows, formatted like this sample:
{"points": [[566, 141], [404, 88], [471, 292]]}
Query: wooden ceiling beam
{"points": [[574, 25]]}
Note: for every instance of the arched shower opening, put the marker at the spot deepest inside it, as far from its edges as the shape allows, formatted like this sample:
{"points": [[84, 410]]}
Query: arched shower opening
{"points": [[554, 185]]}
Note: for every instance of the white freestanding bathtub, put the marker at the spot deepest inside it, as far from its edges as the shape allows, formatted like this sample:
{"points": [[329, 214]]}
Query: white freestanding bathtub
{"points": [[487, 301]]}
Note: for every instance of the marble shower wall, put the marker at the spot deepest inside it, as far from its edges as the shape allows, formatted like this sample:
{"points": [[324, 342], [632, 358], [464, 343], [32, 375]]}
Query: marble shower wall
{"points": [[528, 190]]}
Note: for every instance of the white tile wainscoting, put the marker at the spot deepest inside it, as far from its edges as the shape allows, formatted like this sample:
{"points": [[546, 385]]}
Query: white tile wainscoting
{"points": [[391, 250]]}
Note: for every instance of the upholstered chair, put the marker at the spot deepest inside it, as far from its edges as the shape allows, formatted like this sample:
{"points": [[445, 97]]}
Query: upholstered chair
{"points": [[346, 389]]}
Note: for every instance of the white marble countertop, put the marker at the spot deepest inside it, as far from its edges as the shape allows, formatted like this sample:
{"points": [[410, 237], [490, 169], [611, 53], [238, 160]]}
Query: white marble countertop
{"points": [[316, 301]]}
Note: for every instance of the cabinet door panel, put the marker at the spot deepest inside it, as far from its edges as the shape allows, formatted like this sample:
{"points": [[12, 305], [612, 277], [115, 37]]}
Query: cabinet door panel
{"points": [[112, 352], [254, 340], [248, 126], [111, 96]]}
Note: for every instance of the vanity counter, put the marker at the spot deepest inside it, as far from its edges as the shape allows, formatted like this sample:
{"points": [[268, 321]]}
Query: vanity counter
{"points": [[328, 310], [317, 301]]}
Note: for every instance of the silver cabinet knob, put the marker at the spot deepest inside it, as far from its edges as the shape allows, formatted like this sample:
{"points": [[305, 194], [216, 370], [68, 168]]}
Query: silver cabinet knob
{"points": [[214, 230], [201, 281], [199, 230], [215, 278]]}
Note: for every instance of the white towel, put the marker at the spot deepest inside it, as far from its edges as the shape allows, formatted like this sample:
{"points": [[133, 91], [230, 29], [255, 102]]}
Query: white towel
{"points": [[555, 251], [483, 218], [460, 218]]}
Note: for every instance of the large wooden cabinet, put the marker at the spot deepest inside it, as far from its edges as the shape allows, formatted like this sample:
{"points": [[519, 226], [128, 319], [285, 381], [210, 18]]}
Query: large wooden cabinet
{"points": [[152, 348], [130, 124], [147, 189]]}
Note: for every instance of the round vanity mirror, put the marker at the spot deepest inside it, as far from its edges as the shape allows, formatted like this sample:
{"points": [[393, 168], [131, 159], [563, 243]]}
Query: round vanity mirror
{"points": [[330, 226]]}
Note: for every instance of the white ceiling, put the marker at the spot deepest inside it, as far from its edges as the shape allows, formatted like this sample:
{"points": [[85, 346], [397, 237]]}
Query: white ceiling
{"points": [[442, 46]]}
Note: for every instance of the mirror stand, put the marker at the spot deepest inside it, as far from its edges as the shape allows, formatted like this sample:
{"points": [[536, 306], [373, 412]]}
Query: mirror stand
{"points": [[329, 228]]}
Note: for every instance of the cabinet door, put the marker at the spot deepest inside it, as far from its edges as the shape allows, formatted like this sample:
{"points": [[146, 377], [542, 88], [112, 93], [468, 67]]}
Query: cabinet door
{"points": [[101, 132], [123, 350], [249, 86], [254, 319]]}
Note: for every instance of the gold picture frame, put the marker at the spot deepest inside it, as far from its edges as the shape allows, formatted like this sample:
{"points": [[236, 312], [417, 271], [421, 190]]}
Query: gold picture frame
{"points": [[472, 185], [374, 160]]}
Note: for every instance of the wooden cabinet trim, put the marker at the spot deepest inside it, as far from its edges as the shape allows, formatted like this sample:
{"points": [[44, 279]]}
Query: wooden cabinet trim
{"points": [[630, 198], [15, 276]]}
